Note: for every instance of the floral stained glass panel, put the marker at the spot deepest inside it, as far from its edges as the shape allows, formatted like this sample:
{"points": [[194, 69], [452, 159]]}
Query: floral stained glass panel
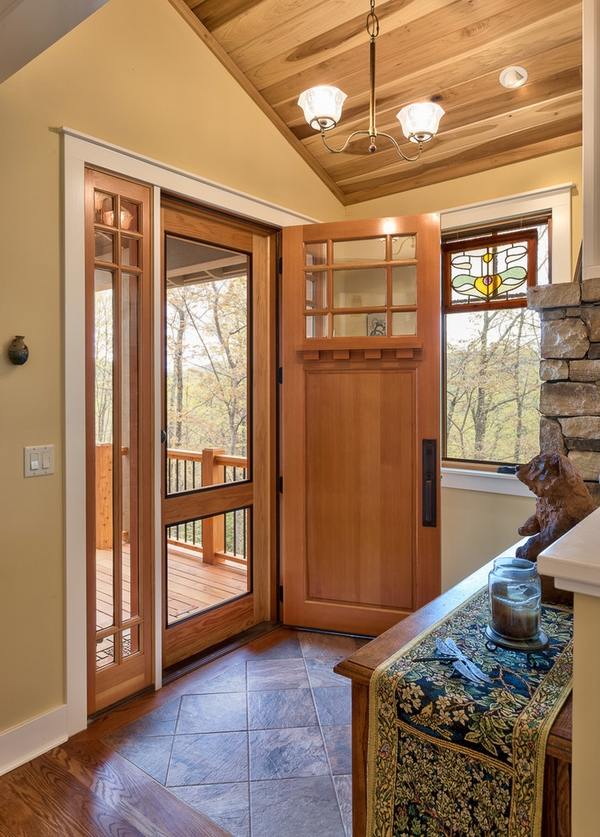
{"points": [[489, 273]]}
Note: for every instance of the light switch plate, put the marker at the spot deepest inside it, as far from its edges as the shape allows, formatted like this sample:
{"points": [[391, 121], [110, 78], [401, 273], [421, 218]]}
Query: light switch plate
{"points": [[38, 461]]}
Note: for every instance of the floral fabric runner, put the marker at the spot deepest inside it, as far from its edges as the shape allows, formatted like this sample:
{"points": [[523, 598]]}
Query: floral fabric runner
{"points": [[448, 757]]}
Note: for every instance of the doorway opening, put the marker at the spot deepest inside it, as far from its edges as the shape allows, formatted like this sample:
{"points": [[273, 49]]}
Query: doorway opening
{"points": [[218, 393]]}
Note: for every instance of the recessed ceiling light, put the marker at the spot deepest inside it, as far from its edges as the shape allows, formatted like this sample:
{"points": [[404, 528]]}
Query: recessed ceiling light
{"points": [[513, 77]]}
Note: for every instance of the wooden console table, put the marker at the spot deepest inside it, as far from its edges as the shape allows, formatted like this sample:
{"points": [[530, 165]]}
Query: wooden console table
{"points": [[361, 665]]}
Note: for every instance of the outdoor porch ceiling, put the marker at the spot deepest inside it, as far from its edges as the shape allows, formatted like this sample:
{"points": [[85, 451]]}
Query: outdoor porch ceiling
{"points": [[449, 50]]}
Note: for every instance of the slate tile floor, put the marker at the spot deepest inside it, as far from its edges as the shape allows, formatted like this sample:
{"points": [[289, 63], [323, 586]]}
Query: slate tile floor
{"points": [[261, 746]]}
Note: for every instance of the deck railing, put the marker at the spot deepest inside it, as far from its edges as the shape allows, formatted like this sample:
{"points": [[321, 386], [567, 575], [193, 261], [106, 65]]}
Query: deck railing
{"points": [[214, 539], [220, 538]]}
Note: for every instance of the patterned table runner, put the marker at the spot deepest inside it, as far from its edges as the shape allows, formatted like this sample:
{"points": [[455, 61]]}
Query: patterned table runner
{"points": [[448, 757]]}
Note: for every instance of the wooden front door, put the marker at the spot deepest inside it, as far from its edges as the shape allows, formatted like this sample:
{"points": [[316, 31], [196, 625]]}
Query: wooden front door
{"points": [[119, 469], [218, 510], [360, 422]]}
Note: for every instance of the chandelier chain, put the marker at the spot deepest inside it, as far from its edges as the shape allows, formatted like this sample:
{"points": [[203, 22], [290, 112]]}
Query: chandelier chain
{"points": [[372, 22]]}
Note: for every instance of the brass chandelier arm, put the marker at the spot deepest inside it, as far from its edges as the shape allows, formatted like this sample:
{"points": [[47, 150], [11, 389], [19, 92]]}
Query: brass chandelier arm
{"points": [[368, 134], [401, 153], [346, 144]]}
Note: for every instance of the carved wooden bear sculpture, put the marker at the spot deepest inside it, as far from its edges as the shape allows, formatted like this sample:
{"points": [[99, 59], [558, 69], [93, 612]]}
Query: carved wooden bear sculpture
{"points": [[563, 500]]}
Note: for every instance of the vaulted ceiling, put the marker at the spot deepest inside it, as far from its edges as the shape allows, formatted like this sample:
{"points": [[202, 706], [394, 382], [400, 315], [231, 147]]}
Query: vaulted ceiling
{"points": [[452, 50]]}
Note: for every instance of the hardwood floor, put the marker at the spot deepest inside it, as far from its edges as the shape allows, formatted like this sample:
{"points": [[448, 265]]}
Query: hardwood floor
{"points": [[192, 585], [156, 765]]}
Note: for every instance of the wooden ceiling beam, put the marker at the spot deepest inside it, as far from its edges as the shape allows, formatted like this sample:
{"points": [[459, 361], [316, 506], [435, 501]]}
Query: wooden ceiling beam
{"points": [[412, 49], [457, 132], [477, 159], [310, 38], [206, 37], [552, 72], [541, 117], [450, 49]]}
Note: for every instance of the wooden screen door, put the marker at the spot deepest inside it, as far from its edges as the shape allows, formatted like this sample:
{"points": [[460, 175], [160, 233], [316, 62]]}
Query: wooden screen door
{"points": [[218, 509], [360, 422], [119, 469]]}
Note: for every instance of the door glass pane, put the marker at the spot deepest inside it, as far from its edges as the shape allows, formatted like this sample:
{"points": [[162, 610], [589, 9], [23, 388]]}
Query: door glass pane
{"points": [[130, 641], [207, 563], [404, 322], [404, 285], [316, 253], [351, 325], [104, 208], [104, 244], [316, 326], [129, 251], [404, 247], [359, 250], [362, 288], [316, 289], [207, 347], [129, 446], [129, 215], [105, 652], [103, 380]]}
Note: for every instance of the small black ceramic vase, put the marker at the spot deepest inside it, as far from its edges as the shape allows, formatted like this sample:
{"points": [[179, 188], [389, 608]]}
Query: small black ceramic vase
{"points": [[18, 351]]}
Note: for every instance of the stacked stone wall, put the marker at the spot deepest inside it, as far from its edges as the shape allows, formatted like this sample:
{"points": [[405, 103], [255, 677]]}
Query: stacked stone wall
{"points": [[570, 374]]}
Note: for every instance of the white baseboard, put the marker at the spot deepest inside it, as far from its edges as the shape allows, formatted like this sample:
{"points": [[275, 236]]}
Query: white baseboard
{"points": [[25, 741]]}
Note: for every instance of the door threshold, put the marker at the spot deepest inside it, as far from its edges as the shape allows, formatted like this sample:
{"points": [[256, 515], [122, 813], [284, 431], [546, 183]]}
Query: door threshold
{"points": [[326, 632], [190, 664]]}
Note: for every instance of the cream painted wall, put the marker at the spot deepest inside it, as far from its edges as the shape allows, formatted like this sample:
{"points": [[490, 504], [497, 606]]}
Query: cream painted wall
{"points": [[586, 729], [136, 75], [477, 526], [551, 170]]}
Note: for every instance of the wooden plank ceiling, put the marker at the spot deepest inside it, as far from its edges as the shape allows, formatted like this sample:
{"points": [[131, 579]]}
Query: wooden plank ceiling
{"points": [[452, 50]]}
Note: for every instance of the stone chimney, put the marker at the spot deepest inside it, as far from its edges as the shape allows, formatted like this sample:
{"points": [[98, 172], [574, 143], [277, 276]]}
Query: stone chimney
{"points": [[570, 374]]}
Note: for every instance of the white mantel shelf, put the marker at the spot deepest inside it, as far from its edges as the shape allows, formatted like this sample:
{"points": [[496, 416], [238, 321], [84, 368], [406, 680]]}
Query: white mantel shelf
{"points": [[574, 560]]}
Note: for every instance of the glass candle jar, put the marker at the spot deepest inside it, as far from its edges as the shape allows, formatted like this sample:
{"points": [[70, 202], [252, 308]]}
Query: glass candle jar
{"points": [[515, 595]]}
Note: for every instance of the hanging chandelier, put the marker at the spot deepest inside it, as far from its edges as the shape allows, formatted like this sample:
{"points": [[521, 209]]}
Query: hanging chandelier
{"points": [[322, 106]]}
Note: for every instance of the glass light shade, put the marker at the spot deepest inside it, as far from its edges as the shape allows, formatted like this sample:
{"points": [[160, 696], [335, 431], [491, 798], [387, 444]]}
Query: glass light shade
{"points": [[420, 121], [322, 106]]}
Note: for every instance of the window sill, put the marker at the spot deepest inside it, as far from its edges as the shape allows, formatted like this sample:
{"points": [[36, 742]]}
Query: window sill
{"points": [[469, 479]]}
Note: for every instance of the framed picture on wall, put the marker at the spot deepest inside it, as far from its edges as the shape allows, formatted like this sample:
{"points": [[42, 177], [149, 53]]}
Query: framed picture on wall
{"points": [[376, 325]]}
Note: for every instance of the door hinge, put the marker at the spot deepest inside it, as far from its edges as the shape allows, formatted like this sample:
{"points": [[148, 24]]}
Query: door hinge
{"points": [[280, 484], [280, 375], [281, 592], [280, 265]]}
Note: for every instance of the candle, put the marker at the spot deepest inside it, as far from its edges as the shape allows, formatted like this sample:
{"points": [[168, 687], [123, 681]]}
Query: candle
{"points": [[515, 611]]}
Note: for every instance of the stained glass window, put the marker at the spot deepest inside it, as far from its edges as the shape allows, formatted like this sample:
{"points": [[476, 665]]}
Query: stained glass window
{"points": [[491, 344], [490, 271]]}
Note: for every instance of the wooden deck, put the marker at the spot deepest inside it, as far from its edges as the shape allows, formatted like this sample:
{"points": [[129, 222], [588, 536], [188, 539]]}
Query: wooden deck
{"points": [[191, 585]]}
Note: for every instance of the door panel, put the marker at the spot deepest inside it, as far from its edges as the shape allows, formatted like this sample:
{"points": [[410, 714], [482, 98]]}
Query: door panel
{"points": [[218, 508], [119, 445], [365, 456], [361, 352]]}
